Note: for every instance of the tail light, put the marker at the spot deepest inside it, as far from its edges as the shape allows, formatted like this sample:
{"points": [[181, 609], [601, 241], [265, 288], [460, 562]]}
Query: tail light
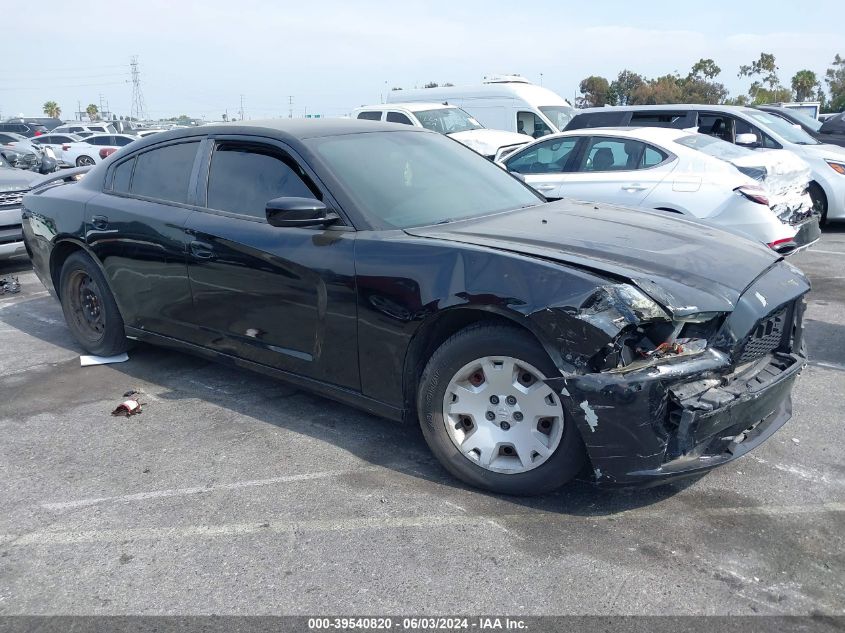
{"points": [[65, 148], [107, 151], [783, 246], [38, 133], [755, 194]]}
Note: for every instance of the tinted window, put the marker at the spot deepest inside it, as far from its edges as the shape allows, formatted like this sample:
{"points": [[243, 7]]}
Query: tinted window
{"points": [[122, 176], [596, 119], [243, 178], [613, 154], [398, 117], [5, 138], [717, 125], [661, 119], [553, 156], [120, 141], [370, 116], [99, 140], [165, 173]]}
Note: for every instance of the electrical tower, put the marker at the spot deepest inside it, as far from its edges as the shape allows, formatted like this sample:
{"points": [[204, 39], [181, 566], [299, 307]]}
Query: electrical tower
{"points": [[290, 104], [138, 111]]}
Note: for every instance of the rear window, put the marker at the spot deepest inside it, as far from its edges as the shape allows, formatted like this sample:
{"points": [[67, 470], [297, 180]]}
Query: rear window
{"points": [[596, 119], [164, 173]]}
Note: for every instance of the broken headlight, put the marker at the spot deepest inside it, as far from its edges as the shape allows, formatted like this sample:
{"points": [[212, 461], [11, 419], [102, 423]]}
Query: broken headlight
{"points": [[642, 330]]}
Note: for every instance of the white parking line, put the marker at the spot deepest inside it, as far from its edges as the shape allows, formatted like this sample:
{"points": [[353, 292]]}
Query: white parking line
{"points": [[67, 537], [818, 250], [180, 492]]}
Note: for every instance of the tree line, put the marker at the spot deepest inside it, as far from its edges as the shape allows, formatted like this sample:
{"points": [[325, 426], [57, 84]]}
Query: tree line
{"points": [[700, 86]]}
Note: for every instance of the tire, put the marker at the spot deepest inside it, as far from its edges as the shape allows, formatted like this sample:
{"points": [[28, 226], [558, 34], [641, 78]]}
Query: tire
{"points": [[492, 467], [819, 201], [85, 161], [89, 307]]}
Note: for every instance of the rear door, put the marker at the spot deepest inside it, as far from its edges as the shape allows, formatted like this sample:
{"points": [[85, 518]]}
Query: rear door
{"points": [[281, 297], [136, 229], [546, 166], [616, 170]]}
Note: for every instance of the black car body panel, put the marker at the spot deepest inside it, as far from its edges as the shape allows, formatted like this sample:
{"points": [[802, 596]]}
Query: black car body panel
{"points": [[352, 312]]}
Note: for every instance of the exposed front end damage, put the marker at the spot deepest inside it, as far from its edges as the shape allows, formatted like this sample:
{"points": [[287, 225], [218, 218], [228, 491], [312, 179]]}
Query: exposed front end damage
{"points": [[671, 395]]}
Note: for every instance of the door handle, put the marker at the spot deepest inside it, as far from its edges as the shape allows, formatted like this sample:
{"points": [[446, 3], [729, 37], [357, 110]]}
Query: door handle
{"points": [[100, 222], [634, 187], [201, 250]]}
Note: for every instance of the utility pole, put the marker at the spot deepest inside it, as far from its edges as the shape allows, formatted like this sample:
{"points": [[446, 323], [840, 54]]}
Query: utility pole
{"points": [[241, 114], [290, 106], [541, 79]]}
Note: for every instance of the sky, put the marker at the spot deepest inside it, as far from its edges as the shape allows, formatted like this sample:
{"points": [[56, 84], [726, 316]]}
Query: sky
{"points": [[329, 56]]}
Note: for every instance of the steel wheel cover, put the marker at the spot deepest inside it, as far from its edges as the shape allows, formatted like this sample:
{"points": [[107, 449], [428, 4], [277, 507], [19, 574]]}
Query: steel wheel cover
{"points": [[501, 416]]}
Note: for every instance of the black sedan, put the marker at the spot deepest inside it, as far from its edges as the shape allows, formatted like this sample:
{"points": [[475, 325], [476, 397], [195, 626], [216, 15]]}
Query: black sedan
{"points": [[398, 271]]}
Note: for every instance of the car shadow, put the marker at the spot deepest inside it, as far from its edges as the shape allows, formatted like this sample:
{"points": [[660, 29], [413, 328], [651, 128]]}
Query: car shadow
{"points": [[380, 442]]}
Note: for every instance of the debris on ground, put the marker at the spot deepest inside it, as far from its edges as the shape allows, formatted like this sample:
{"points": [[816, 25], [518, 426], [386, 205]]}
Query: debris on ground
{"points": [[795, 440], [128, 408], [9, 285], [87, 360]]}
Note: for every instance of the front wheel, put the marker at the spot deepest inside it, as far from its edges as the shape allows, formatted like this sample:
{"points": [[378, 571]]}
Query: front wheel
{"points": [[819, 202], [89, 307], [489, 417]]}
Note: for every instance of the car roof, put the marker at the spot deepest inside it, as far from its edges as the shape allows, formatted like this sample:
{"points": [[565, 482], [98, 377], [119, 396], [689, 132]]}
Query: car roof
{"points": [[410, 106], [679, 107]]}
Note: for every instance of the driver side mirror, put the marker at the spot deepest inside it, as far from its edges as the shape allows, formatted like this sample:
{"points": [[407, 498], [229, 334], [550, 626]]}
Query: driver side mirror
{"points": [[747, 140], [298, 212]]}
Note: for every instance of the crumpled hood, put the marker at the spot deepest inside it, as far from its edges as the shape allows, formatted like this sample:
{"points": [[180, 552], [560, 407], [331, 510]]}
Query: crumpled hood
{"points": [[487, 142], [785, 178], [686, 266]]}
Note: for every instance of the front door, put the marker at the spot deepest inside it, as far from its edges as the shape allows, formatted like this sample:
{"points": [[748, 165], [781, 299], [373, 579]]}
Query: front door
{"points": [[546, 166], [281, 297]]}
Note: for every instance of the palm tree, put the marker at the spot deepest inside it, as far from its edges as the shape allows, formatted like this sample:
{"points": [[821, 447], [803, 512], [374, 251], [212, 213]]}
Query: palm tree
{"points": [[52, 109], [92, 111]]}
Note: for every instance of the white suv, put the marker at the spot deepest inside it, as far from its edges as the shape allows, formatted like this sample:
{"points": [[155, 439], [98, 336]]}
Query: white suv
{"points": [[84, 129], [448, 120]]}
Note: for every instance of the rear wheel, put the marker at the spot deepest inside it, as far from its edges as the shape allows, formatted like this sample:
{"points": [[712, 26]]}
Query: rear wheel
{"points": [[490, 419], [84, 161], [89, 307]]}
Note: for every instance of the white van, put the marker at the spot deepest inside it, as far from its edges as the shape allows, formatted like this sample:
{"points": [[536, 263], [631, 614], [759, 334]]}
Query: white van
{"points": [[449, 120], [506, 103]]}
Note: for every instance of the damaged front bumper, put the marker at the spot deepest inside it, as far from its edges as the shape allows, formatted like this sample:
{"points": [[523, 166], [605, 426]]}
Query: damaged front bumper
{"points": [[677, 419]]}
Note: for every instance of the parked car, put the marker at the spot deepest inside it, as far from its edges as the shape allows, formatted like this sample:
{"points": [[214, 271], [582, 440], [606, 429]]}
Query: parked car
{"points": [[93, 149], [448, 120], [48, 122], [18, 140], [141, 133], [744, 126], [762, 196], [24, 129], [14, 183], [509, 103], [57, 142], [810, 125], [424, 281], [834, 126], [85, 129]]}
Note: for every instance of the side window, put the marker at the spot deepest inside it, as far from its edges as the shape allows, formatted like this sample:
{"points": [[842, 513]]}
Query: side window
{"points": [[398, 117], [120, 141], [553, 156], [651, 157], [649, 118], [612, 154], [370, 116], [717, 125], [165, 173], [243, 178], [530, 124], [122, 176]]}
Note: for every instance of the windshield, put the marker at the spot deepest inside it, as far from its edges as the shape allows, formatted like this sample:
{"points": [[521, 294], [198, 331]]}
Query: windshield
{"points": [[782, 128], [806, 120], [405, 179], [447, 120], [717, 148], [560, 115]]}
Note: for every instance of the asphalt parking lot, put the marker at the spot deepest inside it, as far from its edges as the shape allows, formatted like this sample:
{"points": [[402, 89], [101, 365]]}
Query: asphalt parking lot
{"points": [[235, 494]]}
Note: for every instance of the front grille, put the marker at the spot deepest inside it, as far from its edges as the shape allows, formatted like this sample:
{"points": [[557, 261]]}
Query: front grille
{"points": [[12, 198], [767, 336]]}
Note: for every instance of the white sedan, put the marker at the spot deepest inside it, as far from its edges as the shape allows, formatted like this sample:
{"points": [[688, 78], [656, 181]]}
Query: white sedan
{"points": [[761, 195], [94, 149]]}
